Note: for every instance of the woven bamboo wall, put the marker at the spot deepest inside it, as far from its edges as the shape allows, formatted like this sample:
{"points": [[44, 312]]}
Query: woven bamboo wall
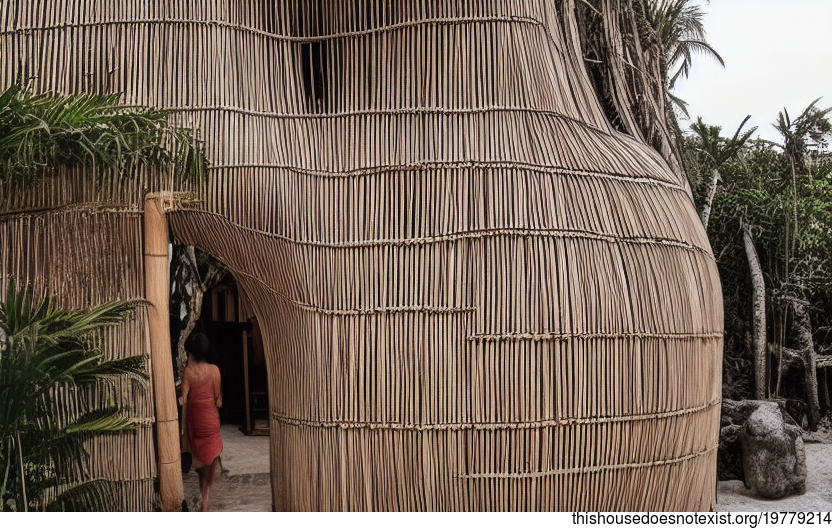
{"points": [[473, 293], [84, 253]]}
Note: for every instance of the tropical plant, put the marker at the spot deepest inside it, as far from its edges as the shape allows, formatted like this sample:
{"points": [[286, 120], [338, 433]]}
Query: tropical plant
{"points": [[791, 266], [812, 125], [41, 132], [629, 49], [718, 150], [48, 356], [680, 32]]}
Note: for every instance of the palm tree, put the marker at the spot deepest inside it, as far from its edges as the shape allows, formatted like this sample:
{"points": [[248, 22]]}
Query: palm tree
{"points": [[47, 356], [812, 125], [680, 32], [718, 150], [41, 132], [629, 49]]}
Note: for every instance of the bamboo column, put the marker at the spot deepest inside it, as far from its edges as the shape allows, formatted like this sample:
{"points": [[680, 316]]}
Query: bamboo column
{"points": [[157, 286]]}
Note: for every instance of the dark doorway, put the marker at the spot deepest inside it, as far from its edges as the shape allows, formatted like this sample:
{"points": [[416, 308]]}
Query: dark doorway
{"points": [[231, 326]]}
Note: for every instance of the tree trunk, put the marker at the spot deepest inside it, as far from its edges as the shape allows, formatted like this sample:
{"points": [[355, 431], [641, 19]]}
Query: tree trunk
{"points": [[706, 211], [823, 390], [192, 288], [787, 356], [794, 197], [758, 298], [616, 69], [194, 313], [803, 325]]}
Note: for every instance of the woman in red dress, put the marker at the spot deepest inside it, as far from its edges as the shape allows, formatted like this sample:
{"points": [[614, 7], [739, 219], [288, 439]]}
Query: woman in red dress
{"points": [[201, 400]]}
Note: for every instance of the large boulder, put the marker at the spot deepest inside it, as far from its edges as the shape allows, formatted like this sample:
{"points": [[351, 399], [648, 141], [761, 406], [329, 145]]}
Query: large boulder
{"points": [[774, 459], [733, 417]]}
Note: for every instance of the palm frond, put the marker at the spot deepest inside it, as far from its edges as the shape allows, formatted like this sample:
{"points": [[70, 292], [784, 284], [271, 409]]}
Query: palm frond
{"points": [[45, 352], [44, 131], [93, 495], [717, 148], [680, 33], [101, 421], [679, 103], [71, 325], [64, 446], [811, 124], [683, 55], [20, 308], [132, 367]]}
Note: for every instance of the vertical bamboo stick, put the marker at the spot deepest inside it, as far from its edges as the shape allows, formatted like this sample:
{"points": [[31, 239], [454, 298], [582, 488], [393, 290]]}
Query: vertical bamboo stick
{"points": [[157, 289]]}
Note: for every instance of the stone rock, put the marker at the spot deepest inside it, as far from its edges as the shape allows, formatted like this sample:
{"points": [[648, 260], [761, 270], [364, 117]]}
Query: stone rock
{"points": [[733, 417], [737, 412], [773, 455], [729, 459]]}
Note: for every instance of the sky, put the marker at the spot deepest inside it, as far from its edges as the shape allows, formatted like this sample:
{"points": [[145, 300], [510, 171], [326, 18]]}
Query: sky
{"points": [[778, 53]]}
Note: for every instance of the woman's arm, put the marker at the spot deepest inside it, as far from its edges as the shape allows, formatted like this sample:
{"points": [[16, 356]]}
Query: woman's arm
{"points": [[217, 386], [185, 387], [183, 400]]}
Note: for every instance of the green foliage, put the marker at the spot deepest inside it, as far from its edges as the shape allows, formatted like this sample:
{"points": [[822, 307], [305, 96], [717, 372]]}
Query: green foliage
{"points": [[41, 132], [764, 199], [48, 356], [790, 215], [813, 238], [678, 27], [811, 126], [716, 148]]}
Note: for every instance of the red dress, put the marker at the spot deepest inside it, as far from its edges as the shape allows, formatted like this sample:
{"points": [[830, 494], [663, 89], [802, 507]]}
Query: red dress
{"points": [[204, 422]]}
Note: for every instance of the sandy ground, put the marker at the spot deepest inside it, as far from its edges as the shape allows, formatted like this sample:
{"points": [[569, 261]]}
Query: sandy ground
{"points": [[245, 485], [241, 454]]}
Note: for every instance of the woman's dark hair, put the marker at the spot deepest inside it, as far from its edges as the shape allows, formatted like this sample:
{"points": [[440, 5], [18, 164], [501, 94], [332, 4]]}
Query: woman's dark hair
{"points": [[198, 346]]}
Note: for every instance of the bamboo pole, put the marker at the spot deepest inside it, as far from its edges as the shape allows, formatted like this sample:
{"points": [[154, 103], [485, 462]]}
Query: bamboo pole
{"points": [[157, 288]]}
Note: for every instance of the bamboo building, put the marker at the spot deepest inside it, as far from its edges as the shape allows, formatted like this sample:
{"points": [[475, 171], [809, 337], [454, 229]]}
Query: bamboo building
{"points": [[474, 292]]}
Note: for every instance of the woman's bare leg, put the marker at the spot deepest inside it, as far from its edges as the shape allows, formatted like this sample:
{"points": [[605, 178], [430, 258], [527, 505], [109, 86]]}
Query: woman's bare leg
{"points": [[207, 475], [201, 473]]}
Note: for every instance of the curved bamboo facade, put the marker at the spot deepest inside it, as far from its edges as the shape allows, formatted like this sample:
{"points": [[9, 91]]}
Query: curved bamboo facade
{"points": [[474, 293]]}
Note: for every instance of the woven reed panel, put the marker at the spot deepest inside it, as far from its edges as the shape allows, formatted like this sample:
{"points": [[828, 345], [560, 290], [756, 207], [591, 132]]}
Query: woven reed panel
{"points": [[84, 256], [474, 294]]}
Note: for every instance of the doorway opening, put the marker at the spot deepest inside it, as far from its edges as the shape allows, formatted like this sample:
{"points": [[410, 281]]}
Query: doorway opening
{"points": [[232, 327], [205, 297]]}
